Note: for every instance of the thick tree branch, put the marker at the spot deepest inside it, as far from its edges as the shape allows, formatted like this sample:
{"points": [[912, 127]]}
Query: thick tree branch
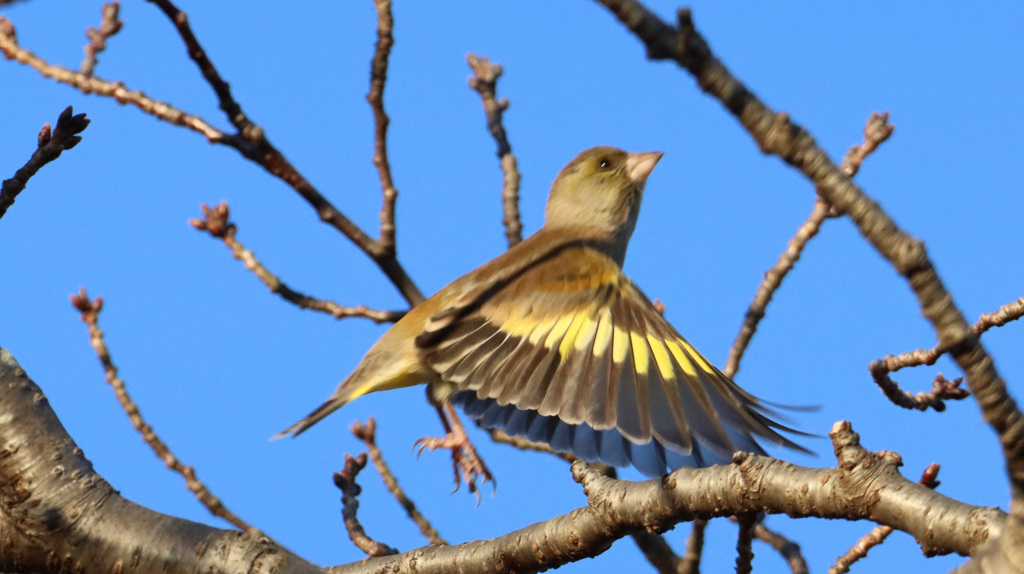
{"points": [[74, 502], [864, 486], [878, 534], [56, 513]]}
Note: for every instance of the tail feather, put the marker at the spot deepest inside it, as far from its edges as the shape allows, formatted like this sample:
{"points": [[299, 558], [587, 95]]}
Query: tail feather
{"points": [[332, 404]]}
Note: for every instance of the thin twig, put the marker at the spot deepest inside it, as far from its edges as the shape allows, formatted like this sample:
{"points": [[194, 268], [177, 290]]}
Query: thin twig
{"points": [[771, 283], [876, 130], [92, 85], [941, 388], [250, 141], [789, 550], [90, 310], [485, 81], [367, 434], [1005, 314], [378, 78], [879, 533], [216, 222], [744, 543], [109, 25], [694, 548], [346, 483], [49, 146], [658, 552], [500, 436]]}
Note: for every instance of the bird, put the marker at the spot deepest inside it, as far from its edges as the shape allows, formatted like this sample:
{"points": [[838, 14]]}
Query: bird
{"points": [[552, 342]]}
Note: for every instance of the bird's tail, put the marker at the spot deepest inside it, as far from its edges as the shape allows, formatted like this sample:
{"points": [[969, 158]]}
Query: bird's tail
{"points": [[332, 404]]}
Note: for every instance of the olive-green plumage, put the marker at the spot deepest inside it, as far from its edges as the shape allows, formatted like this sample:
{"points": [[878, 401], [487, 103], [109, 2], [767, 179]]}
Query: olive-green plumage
{"points": [[551, 341]]}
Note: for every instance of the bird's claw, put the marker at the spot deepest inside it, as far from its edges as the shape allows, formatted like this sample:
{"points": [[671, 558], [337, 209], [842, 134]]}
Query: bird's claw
{"points": [[466, 463]]}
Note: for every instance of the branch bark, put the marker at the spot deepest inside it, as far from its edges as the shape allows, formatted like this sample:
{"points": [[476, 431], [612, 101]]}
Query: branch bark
{"points": [[53, 503]]}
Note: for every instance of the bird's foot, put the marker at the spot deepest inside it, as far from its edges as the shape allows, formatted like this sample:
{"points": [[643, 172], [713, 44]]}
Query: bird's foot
{"points": [[466, 463]]}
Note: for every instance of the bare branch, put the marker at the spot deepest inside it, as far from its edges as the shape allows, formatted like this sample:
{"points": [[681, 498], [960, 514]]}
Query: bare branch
{"points": [[776, 134], [346, 483], [876, 130], [367, 434], [378, 79], [216, 222], [864, 486], [1005, 314], [789, 550], [109, 26], [694, 547], [658, 552], [771, 283], [92, 85], [879, 533], [941, 388], [250, 141], [49, 147], [744, 543], [59, 514], [90, 310], [485, 81]]}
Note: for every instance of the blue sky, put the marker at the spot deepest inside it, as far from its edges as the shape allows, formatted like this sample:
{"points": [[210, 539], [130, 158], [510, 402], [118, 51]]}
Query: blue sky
{"points": [[218, 365]]}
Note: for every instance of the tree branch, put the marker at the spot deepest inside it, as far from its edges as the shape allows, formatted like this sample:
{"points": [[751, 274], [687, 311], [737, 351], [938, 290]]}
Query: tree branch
{"points": [[49, 147], [90, 310], [876, 130], [346, 483], [485, 82], [71, 503], [776, 134], [56, 512], [109, 26], [385, 245], [216, 222], [368, 434], [250, 141]]}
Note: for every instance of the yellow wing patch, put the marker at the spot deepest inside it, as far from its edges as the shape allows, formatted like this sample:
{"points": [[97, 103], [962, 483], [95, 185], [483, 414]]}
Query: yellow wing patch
{"points": [[619, 345], [681, 358], [696, 357], [569, 339], [661, 358], [641, 360]]}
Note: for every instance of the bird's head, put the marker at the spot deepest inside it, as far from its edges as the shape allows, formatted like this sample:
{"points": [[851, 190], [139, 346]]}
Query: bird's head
{"points": [[601, 189]]}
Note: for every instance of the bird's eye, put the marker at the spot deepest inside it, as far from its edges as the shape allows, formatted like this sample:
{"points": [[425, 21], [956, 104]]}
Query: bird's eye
{"points": [[604, 164]]}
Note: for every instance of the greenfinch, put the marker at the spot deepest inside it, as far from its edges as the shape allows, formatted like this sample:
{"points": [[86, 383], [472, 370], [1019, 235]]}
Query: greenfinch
{"points": [[552, 342]]}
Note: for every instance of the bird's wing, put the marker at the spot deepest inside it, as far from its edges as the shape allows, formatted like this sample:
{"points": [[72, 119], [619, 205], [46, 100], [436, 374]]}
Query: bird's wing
{"points": [[571, 340]]}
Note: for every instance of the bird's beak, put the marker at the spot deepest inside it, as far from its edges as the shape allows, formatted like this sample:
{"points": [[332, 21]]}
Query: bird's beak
{"points": [[640, 165]]}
